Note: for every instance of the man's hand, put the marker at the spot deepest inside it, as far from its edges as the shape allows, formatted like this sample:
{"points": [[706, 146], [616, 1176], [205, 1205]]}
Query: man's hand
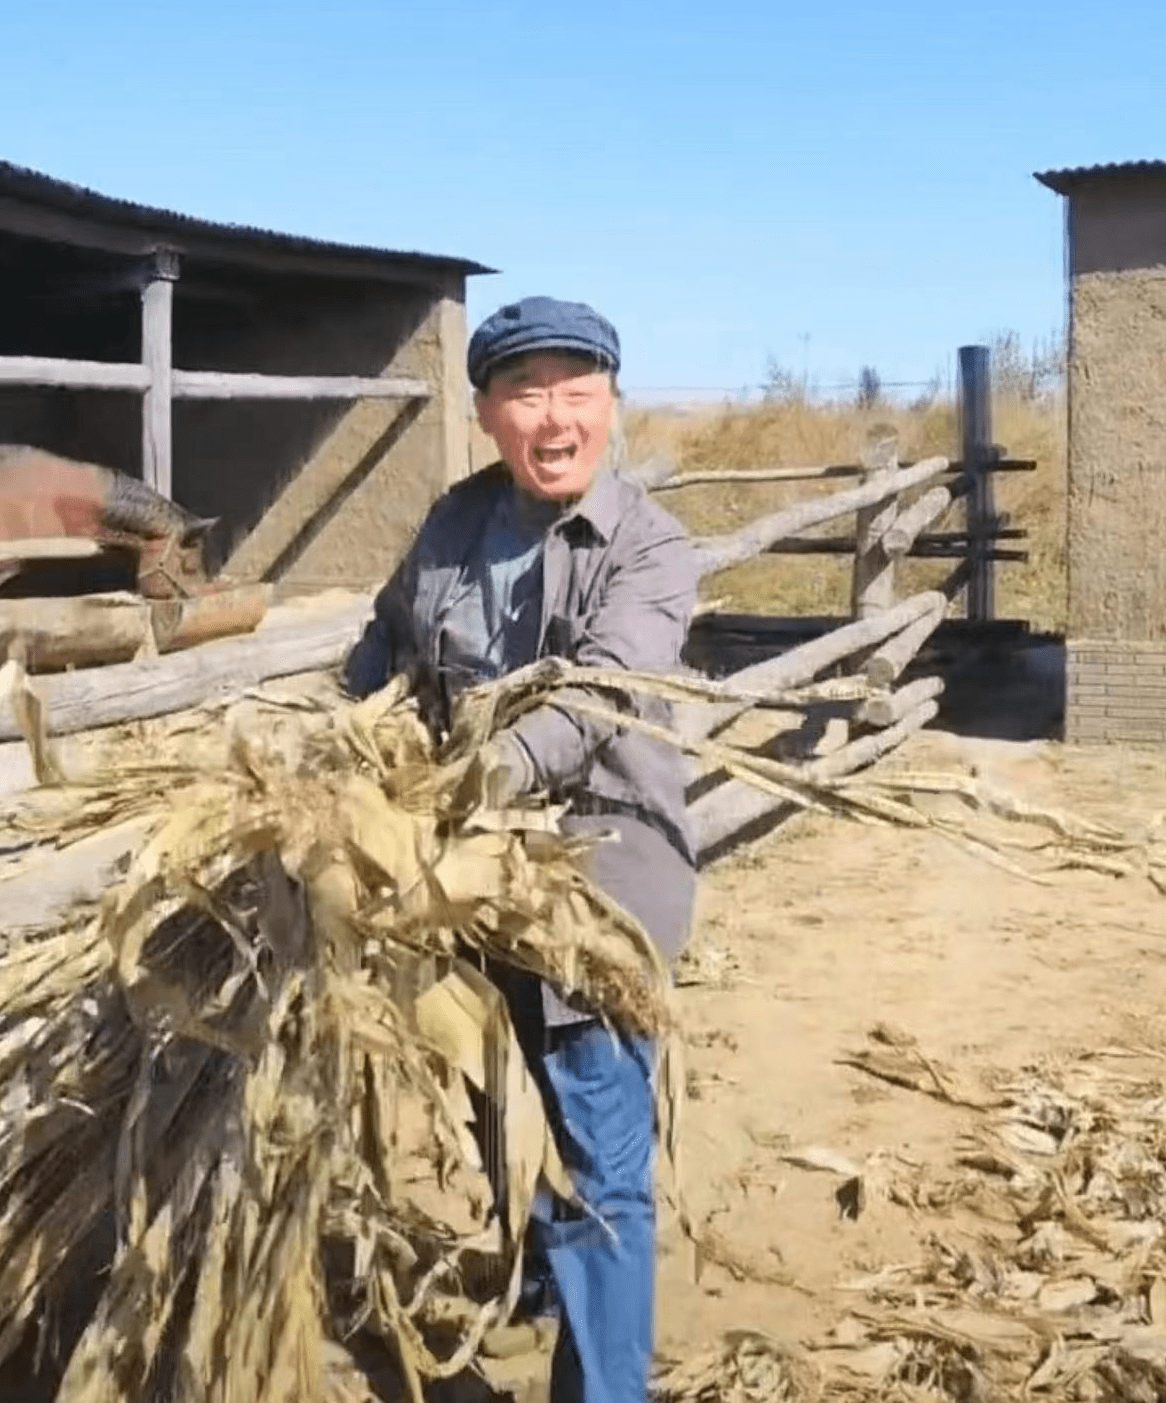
{"points": [[499, 774]]}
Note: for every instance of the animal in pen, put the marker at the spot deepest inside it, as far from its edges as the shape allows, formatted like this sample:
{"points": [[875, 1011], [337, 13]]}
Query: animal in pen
{"points": [[69, 527]]}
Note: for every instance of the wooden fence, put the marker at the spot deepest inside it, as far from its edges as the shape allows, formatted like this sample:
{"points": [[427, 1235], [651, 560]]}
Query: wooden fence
{"points": [[890, 523]]}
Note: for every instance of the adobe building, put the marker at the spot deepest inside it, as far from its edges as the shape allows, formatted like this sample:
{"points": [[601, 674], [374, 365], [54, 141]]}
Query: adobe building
{"points": [[1116, 254], [311, 395]]}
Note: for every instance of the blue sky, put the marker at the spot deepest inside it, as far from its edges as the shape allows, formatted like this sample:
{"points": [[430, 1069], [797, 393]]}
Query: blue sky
{"points": [[832, 184]]}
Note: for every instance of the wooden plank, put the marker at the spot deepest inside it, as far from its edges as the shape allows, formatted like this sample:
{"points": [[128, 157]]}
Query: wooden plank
{"points": [[720, 552], [290, 641], [157, 360], [55, 373], [872, 585], [450, 318], [222, 384]]}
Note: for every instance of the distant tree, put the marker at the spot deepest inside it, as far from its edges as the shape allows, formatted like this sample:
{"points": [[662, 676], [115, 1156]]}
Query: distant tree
{"points": [[1017, 374], [782, 385], [870, 387]]}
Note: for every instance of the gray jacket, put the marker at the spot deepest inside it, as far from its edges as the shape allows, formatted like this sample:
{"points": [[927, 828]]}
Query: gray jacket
{"points": [[619, 587]]}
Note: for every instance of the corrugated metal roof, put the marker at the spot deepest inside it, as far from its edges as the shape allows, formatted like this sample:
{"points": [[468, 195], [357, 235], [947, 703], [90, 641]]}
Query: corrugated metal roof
{"points": [[1064, 181], [34, 187]]}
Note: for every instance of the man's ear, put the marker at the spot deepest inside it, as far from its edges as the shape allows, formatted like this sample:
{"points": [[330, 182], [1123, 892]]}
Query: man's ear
{"points": [[482, 407]]}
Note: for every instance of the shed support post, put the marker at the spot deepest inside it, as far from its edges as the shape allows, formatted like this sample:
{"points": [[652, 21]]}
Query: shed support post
{"points": [[977, 453], [158, 278]]}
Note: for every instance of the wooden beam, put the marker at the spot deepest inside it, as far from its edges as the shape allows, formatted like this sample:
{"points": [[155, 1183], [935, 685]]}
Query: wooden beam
{"points": [[662, 475], [890, 658], [803, 663], [49, 548], [658, 482], [221, 384], [450, 318], [888, 708], [872, 585], [157, 361], [56, 373], [912, 521], [59, 373], [720, 552], [290, 640], [82, 631]]}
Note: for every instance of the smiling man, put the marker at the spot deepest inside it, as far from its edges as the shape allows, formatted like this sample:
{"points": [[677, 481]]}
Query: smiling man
{"points": [[555, 551]]}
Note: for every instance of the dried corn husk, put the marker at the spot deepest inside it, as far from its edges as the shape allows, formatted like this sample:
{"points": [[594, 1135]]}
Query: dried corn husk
{"points": [[220, 1068]]}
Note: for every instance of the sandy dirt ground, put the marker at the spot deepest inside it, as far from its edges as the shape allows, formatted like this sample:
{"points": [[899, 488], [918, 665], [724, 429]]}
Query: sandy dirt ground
{"points": [[808, 940]]}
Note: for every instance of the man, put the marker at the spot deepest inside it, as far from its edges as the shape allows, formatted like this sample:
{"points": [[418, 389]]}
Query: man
{"points": [[553, 550]]}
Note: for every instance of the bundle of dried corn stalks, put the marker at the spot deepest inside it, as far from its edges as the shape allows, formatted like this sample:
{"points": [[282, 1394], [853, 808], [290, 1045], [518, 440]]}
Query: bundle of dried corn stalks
{"points": [[207, 1083], [215, 1070]]}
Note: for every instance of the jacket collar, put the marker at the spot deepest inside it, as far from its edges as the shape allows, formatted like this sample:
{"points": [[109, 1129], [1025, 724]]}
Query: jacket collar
{"points": [[599, 506]]}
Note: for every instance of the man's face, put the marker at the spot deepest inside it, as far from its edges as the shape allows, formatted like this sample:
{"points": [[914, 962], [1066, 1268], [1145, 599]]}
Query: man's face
{"points": [[550, 416]]}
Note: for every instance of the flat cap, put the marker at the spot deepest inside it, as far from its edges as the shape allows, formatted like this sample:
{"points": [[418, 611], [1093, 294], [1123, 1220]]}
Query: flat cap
{"points": [[540, 324]]}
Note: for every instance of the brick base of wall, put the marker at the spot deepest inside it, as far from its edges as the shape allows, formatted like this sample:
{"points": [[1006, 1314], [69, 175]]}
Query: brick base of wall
{"points": [[1116, 692]]}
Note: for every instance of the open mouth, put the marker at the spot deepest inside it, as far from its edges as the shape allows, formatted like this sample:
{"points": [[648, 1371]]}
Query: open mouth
{"points": [[549, 456]]}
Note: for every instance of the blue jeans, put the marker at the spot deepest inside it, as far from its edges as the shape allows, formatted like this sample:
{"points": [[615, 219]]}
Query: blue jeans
{"points": [[601, 1258]]}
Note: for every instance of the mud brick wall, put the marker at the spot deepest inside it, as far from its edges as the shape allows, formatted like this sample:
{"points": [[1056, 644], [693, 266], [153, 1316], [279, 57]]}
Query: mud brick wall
{"points": [[1116, 659], [1116, 693]]}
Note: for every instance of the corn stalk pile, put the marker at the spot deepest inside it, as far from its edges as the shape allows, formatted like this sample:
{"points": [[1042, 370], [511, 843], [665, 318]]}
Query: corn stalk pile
{"points": [[207, 1082], [235, 1155]]}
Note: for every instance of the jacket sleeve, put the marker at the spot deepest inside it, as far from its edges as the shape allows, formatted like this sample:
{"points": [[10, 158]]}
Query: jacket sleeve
{"points": [[388, 645], [640, 623]]}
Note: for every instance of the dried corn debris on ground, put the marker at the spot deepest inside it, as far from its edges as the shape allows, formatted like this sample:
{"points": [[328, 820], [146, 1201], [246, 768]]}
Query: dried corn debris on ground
{"points": [[217, 1059]]}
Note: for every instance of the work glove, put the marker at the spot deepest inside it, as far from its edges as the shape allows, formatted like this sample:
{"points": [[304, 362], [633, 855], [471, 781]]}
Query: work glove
{"points": [[499, 774]]}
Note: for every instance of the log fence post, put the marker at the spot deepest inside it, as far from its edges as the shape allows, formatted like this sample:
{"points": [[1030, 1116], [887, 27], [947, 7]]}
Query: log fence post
{"points": [[158, 278], [977, 452], [873, 583]]}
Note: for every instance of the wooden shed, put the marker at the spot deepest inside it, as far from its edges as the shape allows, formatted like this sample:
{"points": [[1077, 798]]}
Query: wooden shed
{"points": [[311, 395], [1116, 255]]}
